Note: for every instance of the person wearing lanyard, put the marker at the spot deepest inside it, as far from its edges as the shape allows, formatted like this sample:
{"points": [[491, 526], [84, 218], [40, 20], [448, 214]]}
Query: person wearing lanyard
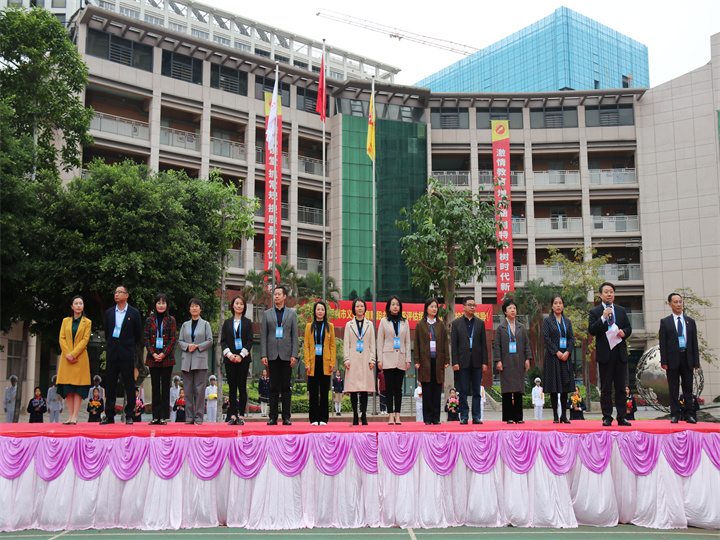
{"points": [[195, 339], [279, 353], [468, 345], [160, 341], [236, 343], [319, 362], [359, 360], [393, 343], [432, 357], [679, 356], [512, 354], [123, 330], [558, 369], [606, 322]]}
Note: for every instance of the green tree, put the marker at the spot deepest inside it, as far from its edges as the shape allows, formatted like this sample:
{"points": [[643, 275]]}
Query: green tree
{"points": [[693, 306], [310, 287], [288, 279], [256, 292], [449, 236], [42, 77]]}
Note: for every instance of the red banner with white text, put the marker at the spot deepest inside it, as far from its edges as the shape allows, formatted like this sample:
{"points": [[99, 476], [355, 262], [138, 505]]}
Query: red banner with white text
{"points": [[501, 173], [273, 188], [412, 312]]}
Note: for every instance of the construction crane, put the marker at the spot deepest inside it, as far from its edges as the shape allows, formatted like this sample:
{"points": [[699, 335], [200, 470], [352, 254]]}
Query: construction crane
{"points": [[392, 32]]}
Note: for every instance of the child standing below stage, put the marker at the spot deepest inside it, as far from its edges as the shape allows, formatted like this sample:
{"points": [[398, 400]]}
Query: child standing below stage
{"points": [[139, 406], [452, 407], [179, 407], [538, 399], [37, 407], [264, 392], [418, 404], [54, 402], [174, 393], [96, 406], [211, 393]]}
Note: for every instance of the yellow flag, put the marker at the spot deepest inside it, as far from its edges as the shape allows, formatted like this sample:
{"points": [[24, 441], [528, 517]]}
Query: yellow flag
{"points": [[371, 129]]}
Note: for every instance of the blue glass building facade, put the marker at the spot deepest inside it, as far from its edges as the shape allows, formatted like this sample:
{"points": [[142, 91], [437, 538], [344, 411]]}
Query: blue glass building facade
{"points": [[565, 50]]}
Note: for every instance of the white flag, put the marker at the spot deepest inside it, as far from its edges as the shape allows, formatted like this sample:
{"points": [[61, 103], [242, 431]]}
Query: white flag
{"points": [[271, 131]]}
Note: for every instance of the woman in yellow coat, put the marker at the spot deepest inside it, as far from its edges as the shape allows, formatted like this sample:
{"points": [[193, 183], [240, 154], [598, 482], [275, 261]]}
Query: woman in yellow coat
{"points": [[320, 363], [73, 377]]}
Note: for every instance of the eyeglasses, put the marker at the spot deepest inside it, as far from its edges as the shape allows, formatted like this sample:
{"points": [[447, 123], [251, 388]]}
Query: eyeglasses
{"points": [[120, 292]]}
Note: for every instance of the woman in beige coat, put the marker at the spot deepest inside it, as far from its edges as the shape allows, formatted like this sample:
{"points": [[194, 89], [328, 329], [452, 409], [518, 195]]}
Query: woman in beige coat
{"points": [[359, 359], [394, 355]]}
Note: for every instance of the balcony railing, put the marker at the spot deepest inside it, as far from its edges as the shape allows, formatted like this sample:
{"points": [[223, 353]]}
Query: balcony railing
{"points": [[260, 157], [259, 261], [519, 225], [235, 258], [558, 225], [621, 272], [603, 177], [519, 272], [305, 266], [118, 125], [637, 321], [310, 165], [616, 223], [557, 178], [457, 178], [550, 274], [229, 149], [310, 215], [179, 139], [517, 178], [284, 209], [485, 178]]}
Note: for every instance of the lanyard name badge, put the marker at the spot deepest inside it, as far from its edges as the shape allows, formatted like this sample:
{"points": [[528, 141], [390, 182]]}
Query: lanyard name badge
{"points": [[681, 337], [433, 343], [116, 330], [513, 343], [238, 339], [472, 333], [279, 329], [563, 340], [159, 341], [360, 345], [396, 339], [319, 346]]}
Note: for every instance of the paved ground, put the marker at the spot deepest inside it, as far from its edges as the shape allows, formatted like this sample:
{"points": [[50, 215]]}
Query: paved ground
{"points": [[459, 533]]}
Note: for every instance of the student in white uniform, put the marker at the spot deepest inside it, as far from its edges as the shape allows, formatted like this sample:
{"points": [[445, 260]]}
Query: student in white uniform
{"points": [[483, 399], [211, 393], [418, 404], [9, 399], [538, 399], [174, 393], [54, 402]]}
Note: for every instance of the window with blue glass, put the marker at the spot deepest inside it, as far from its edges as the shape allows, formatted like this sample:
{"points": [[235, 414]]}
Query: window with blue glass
{"points": [[449, 118], [553, 118], [609, 115]]}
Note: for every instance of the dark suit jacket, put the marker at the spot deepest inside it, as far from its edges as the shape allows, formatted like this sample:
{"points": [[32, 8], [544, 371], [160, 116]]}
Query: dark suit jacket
{"points": [[227, 341], [122, 349], [460, 344], [670, 346], [597, 328]]}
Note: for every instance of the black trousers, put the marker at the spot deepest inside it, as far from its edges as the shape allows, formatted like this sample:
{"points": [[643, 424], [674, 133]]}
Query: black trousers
{"points": [[318, 387], [393, 389], [613, 372], [563, 404], [160, 384], [683, 373], [126, 369], [237, 380], [512, 406], [363, 402], [431, 396], [280, 373]]}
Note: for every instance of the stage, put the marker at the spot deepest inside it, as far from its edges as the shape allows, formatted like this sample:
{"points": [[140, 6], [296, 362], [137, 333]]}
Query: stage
{"points": [[539, 474]]}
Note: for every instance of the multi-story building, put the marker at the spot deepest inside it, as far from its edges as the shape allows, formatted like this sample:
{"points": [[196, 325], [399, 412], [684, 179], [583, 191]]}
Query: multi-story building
{"points": [[563, 51], [632, 172]]}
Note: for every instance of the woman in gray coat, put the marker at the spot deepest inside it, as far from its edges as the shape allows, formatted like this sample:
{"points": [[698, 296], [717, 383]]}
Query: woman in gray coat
{"points": [[195, 339], [512, 354]]}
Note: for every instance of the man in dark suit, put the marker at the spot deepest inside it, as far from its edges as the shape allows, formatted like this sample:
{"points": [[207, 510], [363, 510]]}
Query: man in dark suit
{"points": [[469, 359], [610, 320], [279, 353], [123, 329], [679, 355]]}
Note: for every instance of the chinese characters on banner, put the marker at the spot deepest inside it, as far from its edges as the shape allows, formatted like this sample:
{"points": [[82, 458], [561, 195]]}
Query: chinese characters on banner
{"points": [[501, 173], [412, 312], [273, 185]]}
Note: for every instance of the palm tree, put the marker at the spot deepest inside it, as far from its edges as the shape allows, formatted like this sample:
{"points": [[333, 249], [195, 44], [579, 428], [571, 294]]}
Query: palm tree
{"points": [[534, 302], [288, 278], [255, 291], [310, 287]]}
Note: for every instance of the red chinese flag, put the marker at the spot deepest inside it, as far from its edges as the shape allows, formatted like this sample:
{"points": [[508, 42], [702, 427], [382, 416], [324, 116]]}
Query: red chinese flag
{"points": [[320, 108]]}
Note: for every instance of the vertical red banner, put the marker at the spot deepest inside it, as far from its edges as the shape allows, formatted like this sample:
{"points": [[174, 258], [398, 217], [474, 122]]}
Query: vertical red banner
{"points": [[501, 173], [273, 187]]}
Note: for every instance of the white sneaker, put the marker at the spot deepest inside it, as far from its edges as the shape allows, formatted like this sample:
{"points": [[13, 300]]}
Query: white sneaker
{"points": [[314, 424], [323, 423]]}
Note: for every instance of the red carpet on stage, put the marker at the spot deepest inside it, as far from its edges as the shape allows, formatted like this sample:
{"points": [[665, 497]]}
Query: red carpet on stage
{"points": [[538, 474]]}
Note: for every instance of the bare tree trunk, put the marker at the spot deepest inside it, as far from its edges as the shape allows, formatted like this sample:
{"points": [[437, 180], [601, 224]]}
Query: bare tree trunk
{"points": [[450, 303], [218, 348]]}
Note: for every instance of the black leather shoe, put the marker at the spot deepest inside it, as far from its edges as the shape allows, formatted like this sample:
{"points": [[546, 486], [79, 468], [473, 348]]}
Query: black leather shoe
{"points": [[607, 422], [477, 421], [240, 422], [107, 420], [272, 423], [232, 422], [510, 422], [436, 423], [623, 422], [287, 423], [129, 421], [363, 419], [564, 420], [463, 422], [520, 422], [691, 420], [673, 419]]}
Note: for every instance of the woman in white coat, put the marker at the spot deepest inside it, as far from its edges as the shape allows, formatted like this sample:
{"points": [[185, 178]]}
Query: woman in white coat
{"points": [[394, 355], [359, 360]]}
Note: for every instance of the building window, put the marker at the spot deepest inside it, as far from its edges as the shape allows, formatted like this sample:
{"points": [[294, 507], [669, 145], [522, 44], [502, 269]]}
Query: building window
{"points": [[265, 84], [336, 74], [154, 20], [181, 67], [221, 40], [514, 116], [14, 358], [307, 100], [553, 118], [11, 3], [59, 3], [243, 46], [35, 3], [625, 81], [449, 118], [228, 79], [609, 115], [352, 107], [400, 113], [200, 33], [282, 59], [177, 27], [120, 50], [262, 52], [129, 12]]}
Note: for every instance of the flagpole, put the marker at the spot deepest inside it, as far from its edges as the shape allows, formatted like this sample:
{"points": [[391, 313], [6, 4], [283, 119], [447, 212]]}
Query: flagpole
{"points": [[374, 233], [324, 210], [278, 184]]}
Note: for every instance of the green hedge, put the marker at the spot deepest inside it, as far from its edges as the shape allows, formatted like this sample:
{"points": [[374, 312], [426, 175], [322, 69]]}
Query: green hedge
{"points": [[494, 392], [300, 402]]}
